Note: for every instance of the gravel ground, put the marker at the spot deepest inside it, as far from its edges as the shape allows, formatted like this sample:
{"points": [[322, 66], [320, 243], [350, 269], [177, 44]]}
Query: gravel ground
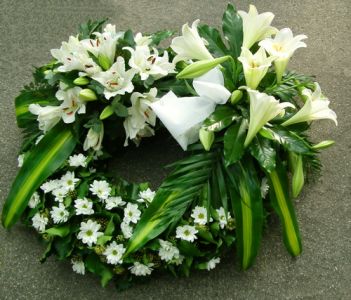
{"points": [[30, 28]]}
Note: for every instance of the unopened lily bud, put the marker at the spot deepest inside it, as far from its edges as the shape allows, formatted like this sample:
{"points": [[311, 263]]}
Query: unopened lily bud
{"points": [[201, 67], [104, 62], [81, 81], [323, 144], [298, 179], [206, 138], [108, 111], [87, 95], [236, 96]]}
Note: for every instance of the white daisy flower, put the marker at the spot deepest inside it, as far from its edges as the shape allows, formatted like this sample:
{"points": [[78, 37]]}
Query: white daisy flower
{"points": [[34, 200], [83, 207], [199, 214], [113, 202], [101, 189], [39, 222], [211, 264], [127, 230], [147, 195], [223, 219], [264, 187], [60, 193], [20, 160], [167, 252], [89, 232], [59, 214], [187, 233], [178, 260], [139, 269], [78, 266], [131, 213], [114, 253], [77, 160], [69, 181], [50, 185]]}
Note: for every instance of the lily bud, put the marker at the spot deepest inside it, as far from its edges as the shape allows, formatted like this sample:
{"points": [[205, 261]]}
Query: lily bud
{"points": [[298, 179], [104, 62], [201, 67], [323, 145], [87, 95], [108, 111], [81, 81], [236, 96], [206, 138]]}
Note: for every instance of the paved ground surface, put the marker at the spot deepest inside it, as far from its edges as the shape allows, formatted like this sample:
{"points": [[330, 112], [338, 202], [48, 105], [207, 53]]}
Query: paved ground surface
{"points": [[29, 28]]}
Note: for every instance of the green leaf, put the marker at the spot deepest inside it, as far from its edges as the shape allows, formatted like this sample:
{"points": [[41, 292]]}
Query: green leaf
{"points": [[214, 39], [232, 26], [281, 202], [103, 239], [58, 231], [248, 210], [221, 118], [234, 139], [176, 193], [94, 265], [290, 140], [110, 228], [159, 36], [120, 110], [43, 160], [63, 246], [263, 152], [87, 29], [189, 249]]}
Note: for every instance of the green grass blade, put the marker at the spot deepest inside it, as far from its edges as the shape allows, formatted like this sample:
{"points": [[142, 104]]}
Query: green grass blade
{"points": [[44, 159], [283, 206]]}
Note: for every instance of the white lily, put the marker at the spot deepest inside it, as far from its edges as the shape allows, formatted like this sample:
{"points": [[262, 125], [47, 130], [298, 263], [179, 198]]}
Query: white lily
{"points": [[94, 139], [146, 64], [256, 26], [190, 45], [183, 116], [316, 107], [263, 108], [137, 124], [141, 40], [104, 46], [255, 66], [282, 47], [116, 80], [73, 56], [48, 116], [71, 105]]}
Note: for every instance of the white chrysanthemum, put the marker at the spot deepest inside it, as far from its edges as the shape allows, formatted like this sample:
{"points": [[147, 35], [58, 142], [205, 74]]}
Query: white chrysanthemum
{"points": [[187, 233], [139, 269], [39, 222], [264, 187], [20, 160], [211, 264], [50, 185], [114, 253], [89, 232], [60, 193], [146, 196], [78, 266], [113, 202], [131, 213], [69, 181], [223, 219], [83, 207], [59, 214], [101, 189], [178, 260], [77, 160], [167, 251], [199, 214], [34, 200], [127, 230]]}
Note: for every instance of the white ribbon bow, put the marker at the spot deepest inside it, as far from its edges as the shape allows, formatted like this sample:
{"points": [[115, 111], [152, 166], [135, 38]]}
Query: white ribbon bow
{"points": [[183, 116]]}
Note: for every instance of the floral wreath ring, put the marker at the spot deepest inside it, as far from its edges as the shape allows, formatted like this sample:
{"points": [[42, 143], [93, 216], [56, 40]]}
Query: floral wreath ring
{"points": [[230, 104]]}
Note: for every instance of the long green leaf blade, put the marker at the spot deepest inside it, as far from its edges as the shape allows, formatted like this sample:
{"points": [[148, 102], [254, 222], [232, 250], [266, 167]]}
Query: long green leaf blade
{"points": [[45, 158], [283, 206]]}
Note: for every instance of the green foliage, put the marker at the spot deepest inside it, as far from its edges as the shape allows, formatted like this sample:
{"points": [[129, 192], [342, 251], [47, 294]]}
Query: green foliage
{"points": [[159, 36], [214, 39], [234, 139], [220, 119], [87, 29], [262, 150]]}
